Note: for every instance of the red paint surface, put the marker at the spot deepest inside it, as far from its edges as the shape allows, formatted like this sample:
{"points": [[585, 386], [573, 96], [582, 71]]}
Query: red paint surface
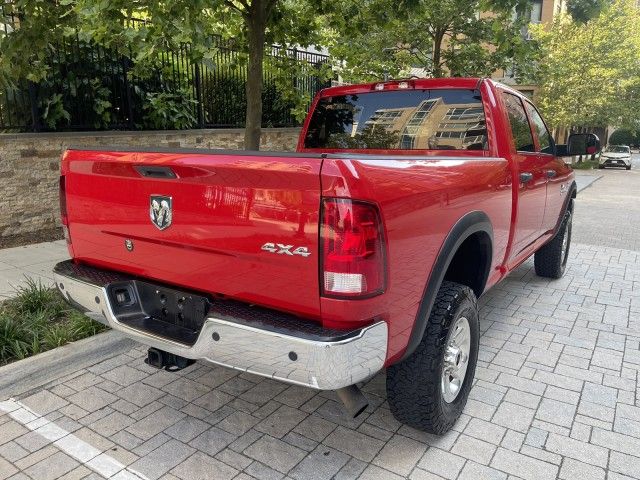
{"points": [[226, 206]]}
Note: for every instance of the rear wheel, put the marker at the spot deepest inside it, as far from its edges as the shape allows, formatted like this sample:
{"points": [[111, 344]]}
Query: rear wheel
{"points": [[429, 389], [551, 260]]}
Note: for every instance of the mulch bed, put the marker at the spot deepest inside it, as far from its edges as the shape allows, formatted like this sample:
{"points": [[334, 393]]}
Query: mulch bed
{"points": [[19, 240]]}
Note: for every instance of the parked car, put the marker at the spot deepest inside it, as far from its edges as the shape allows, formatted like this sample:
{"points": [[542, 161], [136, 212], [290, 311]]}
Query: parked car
{"points": [[615, 156], [405, 200]]}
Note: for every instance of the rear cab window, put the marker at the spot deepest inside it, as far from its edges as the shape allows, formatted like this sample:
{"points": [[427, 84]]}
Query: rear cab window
{"points": [[421, 119]]}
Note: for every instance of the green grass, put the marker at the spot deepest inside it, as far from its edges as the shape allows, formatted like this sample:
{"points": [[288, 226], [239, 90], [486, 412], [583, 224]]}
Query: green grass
{"points": [[585, 165], [38, 319]]}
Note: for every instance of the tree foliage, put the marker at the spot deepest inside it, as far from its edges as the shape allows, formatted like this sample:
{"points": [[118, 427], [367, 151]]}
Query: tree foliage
{"points": [[34, 28], [589, 75], [442, 37], [584, 10], [625, 137], [251, 26], [206, 26]]}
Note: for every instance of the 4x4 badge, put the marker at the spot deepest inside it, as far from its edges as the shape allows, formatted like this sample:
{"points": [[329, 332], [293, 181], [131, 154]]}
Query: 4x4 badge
{"points": [[160, 211], [281, 249]]}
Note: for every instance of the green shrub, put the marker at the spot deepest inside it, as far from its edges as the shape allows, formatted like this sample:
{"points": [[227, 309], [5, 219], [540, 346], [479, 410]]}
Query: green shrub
{"points": [[33, 297], [38, 319], [624, 137], [585, 165], [170, 111]]}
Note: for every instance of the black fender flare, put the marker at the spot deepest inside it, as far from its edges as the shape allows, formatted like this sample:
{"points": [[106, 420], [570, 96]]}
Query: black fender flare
{"points": [[572, 193], [472, 222]]}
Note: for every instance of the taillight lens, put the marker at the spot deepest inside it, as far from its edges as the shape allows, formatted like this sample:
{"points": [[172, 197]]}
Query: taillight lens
{"points": [[63, 209], [353, 252]]}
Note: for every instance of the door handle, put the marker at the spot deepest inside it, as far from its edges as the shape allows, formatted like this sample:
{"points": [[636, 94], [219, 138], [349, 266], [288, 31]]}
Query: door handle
{"points": [[551, 173], [526, 177]]}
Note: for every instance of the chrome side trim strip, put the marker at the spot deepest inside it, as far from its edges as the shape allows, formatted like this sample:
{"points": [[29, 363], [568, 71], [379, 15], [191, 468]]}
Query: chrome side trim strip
{"points": [[429, 158]]}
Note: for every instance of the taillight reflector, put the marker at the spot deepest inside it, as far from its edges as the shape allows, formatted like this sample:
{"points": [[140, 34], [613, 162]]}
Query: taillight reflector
{"points": [[63, 199], [353, 251], [63, 208]]}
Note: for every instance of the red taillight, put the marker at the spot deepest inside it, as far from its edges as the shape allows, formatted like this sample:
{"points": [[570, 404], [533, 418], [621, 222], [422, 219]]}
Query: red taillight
{"points": [[353, 253], [63, 209]]}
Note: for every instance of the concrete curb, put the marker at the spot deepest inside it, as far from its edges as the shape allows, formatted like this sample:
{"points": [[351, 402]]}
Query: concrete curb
{"points": [[25, 375]]}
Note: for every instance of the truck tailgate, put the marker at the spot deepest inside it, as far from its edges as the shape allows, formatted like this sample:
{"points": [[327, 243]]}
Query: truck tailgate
{"points": [[204, 220]]}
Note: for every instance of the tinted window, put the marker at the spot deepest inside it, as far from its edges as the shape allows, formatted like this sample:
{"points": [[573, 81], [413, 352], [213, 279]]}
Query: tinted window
{"points": [[519, 124], [443, 119], [544, 138]]}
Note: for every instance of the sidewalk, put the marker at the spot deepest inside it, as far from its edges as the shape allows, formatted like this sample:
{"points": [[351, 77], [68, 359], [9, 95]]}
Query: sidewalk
{"points": [[32, 261]]}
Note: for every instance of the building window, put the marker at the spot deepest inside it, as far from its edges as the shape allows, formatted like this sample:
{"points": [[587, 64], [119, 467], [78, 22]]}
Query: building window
{"points": [[473, 113], [536, 11]]}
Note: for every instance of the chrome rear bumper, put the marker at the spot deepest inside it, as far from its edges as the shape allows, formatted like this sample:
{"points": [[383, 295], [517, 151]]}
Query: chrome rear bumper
{"points": [[285, 348]]}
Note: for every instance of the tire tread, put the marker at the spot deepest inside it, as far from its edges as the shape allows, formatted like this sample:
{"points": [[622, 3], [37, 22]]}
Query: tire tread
{"points": [[414, 397], [548, 259]]}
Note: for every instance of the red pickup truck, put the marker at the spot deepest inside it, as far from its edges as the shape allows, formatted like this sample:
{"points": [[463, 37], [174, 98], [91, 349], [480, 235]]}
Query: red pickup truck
{"points": [[365, 250]]}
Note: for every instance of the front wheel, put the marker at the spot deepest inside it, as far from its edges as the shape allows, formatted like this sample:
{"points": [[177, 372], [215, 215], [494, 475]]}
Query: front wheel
{"points": [[551, 260], [429, 389]]}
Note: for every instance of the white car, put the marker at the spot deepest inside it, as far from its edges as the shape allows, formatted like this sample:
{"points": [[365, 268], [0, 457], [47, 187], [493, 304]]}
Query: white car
{"points": [[615, 156]]}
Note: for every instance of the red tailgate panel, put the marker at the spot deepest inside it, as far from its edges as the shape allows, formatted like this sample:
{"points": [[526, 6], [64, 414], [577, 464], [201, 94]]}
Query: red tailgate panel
{"points": [[225, 207]]}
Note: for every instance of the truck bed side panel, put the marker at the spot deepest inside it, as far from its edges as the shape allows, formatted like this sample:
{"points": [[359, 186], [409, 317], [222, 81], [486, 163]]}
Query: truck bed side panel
{"points": [[421, 199]]}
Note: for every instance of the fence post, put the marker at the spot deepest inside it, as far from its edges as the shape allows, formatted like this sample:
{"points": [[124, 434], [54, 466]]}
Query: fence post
{"points": [[35, 114], [199, 96], [127, 91], [295, 62]]}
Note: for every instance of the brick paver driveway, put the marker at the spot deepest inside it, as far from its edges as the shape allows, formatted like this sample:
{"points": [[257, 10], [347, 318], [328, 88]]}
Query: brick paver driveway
{"points": [[556, 394]]}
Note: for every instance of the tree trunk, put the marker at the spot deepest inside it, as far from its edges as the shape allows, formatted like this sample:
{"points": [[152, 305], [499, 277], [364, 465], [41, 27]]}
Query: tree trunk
{"points": [[255, 22], [437, 54]]}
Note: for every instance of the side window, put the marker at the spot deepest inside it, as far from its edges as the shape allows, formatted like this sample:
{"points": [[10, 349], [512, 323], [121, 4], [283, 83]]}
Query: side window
{"points": [[544, 138], [520, 128]]}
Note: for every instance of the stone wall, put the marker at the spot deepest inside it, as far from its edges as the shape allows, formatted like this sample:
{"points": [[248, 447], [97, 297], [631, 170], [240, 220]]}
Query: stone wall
{"points": [[30, 164]]}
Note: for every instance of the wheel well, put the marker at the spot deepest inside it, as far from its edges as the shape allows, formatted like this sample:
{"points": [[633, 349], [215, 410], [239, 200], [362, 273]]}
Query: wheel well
{"points": [[465, 257], [471, 263]]}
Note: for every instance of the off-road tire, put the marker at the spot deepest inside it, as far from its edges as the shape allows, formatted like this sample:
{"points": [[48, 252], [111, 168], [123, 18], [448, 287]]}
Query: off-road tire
{"points": [[414, 389], [628, 168], [551, 260]]}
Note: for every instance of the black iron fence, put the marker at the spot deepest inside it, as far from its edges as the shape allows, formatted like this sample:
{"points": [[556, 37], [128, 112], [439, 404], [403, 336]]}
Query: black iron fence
{"points": [[93, 88]]}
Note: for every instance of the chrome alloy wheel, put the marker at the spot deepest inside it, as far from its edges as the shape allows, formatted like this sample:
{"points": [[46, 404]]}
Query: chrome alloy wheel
{"points": [[456, 359]]}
